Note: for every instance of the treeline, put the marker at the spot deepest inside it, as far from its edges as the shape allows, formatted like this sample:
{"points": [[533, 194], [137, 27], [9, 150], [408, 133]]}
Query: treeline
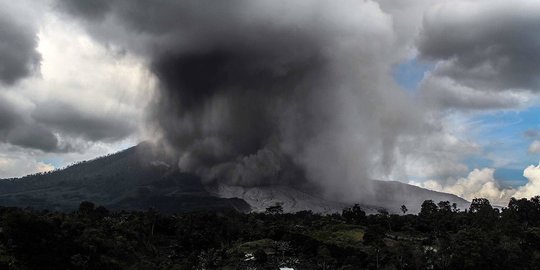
{"points": [[72, 165], [439, 237]]}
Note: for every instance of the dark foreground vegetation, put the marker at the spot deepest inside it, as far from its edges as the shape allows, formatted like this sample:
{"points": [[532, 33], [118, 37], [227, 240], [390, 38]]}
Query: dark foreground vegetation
{"points": [[439, 237]]}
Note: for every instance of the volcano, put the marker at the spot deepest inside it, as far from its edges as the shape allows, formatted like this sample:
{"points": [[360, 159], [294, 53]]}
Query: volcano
{"points": [[138, 179]]}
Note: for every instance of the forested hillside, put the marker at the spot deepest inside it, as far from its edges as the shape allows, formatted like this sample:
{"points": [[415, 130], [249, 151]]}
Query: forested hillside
{"points": [[135, 179], [441, 236]]}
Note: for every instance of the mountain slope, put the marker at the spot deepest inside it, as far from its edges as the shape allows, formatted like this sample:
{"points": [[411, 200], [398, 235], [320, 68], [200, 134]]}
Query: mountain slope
{"points": [[390, 195], [135, 178], [292, 200], [138, 178], [393, 194]]}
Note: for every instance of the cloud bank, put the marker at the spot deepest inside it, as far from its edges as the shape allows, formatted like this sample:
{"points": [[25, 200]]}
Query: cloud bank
{"points": [[487, 53]]}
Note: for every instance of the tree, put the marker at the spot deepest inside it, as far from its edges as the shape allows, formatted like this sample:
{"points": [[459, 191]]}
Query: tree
{"points": [[404, 209], [324, 257], [455, 209], [445, 207], [374, 237], [282, 247], [428, 208], [481, 206], [86, 207], [354, 214], [472, 248], [482, 213], [427, 218], [525, 211], [275, 209]]}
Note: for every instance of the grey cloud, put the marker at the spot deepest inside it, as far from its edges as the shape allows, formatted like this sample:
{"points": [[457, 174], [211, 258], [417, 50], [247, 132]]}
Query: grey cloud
{"points": [[8, 115], [53, 127], [532, 134], [16, 129], [34, 136], [91, 10], [69, 121], [18, 41], [486, 45], [445, 93]]}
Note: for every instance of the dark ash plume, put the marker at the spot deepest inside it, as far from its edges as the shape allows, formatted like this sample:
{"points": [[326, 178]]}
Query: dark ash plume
{"points": [[267, 92], [223, 109]]}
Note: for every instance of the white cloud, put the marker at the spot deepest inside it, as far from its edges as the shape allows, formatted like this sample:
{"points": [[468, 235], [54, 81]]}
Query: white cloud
{"points": [[481, 183], [532, 188], [17, 166], [439, 152], [44, 167]]}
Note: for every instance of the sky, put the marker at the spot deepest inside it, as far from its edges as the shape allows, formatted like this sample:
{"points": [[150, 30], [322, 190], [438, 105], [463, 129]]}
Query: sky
{"points": [[439, 94]]}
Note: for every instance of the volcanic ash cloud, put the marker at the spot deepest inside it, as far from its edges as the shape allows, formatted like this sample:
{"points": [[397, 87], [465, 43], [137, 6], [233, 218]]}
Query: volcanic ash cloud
{"points": [[266, 92]]}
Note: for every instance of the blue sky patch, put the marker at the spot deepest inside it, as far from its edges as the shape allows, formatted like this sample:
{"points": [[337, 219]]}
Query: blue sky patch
{"points": [[410, 73], [505, 145]]}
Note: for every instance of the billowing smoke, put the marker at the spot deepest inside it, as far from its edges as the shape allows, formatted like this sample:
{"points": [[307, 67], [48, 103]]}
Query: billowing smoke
{"points": [[224, 108], [257, 92]]}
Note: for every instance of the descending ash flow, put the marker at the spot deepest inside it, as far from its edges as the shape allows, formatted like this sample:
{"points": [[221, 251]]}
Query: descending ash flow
{"points": [[266, 92]]}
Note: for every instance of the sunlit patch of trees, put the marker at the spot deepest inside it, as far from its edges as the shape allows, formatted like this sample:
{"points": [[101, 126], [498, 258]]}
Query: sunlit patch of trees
{"points": [[441, 236]]}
